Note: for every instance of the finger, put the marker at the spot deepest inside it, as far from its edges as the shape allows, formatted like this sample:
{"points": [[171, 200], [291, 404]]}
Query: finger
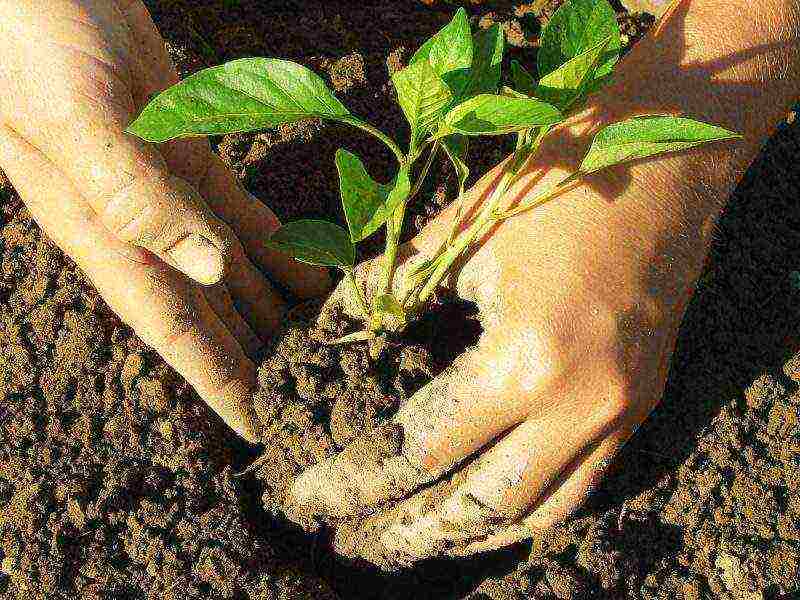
{"points": [[450, 418], [192, 159], [567, 495], [161, 305], [252, 221], [253, 296], [221, 303], [509, 478], [82, 96]]}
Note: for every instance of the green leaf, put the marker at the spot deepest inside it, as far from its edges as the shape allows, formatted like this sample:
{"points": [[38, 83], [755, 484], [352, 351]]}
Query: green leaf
{"points": [[456, 147], [243, 95], [522, 80], [569, 82], [489, 114], [449, 52], [367, 204], [315, 242], [423, 96], [641, 137], [574, 28], [484, 76]]}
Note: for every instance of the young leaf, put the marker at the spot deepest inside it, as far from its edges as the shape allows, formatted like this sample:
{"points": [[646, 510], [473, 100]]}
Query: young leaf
{"points": [[367, 204], [488, 114], [456, 146], [242, 95], [522, 80], [574, 28], [449, 52], [569, 82], [315, 242], [422, 95], [484, 76], [641, 137]]}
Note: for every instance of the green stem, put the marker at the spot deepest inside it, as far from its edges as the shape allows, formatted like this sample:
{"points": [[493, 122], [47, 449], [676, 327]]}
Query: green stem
{"points": [[394, 225], [463, 241], [487, 217], [541, 198], [424, 173], [390, 143], [362, 304], [392, 243], [457, 217]]}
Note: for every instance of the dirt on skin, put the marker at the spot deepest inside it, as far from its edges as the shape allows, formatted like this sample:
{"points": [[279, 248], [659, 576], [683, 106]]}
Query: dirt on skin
{"points": [[117, 482]]}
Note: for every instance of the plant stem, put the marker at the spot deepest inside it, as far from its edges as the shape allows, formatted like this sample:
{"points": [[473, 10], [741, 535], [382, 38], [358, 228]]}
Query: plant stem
{"points": [[424, 173], [487, 217], [464, 240], [456, 219], [543, 197], [392, 242], [364, 126], [394, 224], [362, 304]]}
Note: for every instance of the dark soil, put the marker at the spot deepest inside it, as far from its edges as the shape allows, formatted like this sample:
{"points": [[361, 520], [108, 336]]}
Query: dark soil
{"points": [[117, 482]]}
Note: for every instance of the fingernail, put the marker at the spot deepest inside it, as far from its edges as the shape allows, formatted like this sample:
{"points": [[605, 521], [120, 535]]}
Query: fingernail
{"points": [[199, 259]]}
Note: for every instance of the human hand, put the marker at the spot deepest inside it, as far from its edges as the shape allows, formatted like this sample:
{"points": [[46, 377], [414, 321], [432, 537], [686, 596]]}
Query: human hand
{"points": [[580, 302], [155, 229]]}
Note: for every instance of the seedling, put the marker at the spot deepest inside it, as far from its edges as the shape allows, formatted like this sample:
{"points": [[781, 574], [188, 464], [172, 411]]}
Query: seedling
{"points": [[450, 91]]}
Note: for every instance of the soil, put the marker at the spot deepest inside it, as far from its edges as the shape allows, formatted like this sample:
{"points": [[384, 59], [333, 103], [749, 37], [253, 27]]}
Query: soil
{"points": [[117, 482]]}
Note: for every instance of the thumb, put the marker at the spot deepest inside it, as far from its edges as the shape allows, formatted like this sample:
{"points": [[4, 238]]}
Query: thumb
{"points": [[167, 216], [82, 96]]}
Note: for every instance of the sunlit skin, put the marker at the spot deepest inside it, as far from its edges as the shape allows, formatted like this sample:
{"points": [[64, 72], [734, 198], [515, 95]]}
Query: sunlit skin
{"points": [[580, 300]]}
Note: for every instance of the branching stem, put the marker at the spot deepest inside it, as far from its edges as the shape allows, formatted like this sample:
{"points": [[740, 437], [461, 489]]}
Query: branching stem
{"points": [[394, 225], [488, 216]]}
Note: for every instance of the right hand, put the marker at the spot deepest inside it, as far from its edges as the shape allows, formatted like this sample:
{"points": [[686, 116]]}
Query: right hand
{"points": [[580, 302], [156, 229]]}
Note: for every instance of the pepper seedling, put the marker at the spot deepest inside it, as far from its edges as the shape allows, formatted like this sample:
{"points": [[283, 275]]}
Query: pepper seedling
{"points": [[449, 91]]}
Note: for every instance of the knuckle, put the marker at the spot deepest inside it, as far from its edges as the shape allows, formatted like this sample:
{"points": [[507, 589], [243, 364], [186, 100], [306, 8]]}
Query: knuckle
{"points": [[156, 211], [135, 210]]}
